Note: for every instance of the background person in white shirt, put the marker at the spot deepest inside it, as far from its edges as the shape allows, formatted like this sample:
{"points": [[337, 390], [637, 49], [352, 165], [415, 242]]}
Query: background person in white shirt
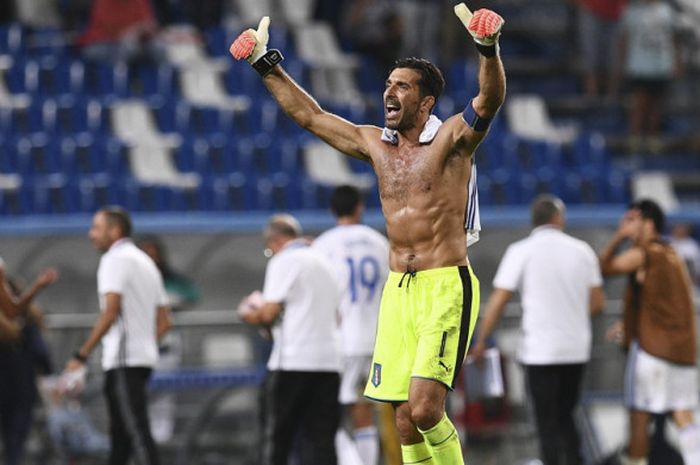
{"points": [[360, 258], [560, 286], [135, 314], [300, 302]]}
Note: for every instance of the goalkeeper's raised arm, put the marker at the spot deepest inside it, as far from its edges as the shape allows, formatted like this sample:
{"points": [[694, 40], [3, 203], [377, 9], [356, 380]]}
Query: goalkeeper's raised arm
{"points": [[295, 101]]}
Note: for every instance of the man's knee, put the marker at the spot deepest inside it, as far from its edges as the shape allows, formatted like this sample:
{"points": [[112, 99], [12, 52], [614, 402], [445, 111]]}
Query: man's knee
{"points": [[408, 434], [426, 414]]}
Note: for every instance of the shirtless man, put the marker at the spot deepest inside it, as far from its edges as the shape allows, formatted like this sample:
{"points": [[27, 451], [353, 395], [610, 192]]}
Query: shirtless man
{"points": [[431, 299]]}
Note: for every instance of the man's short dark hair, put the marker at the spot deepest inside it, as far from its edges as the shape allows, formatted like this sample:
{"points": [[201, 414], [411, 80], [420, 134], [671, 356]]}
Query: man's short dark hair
{"points": [[431, 81], [544, 208], [651, 210], [344, 200], [120, 217]]}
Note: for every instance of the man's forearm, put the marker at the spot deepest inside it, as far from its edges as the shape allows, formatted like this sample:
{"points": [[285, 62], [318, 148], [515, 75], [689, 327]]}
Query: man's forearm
{"points": [[294, 100], [608, 253], [163, 322], [102, 325], [27, 297], [492, 86], [494, 311]]}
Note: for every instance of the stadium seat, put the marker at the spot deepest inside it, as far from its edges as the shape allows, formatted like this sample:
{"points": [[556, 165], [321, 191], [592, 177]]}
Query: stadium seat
{"points": [[234, 191], [98, 190], [54, 194], [277, 192], [67, 115], [529, 119], [314, 195], [461, 80], [83, 153], [154, 165], [104, 80], [327, 166], [16, 201], [38, 155], [213, 155], [505, 190], [11, 38]]}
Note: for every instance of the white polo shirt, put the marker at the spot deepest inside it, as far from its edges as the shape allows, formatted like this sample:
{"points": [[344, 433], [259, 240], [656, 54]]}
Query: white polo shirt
{"points": [[554, 273], [360, 259], [305, 336], [131, 341]]}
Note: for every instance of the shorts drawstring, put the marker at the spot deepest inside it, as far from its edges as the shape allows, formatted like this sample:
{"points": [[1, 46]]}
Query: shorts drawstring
{"points": [[411, 274]]}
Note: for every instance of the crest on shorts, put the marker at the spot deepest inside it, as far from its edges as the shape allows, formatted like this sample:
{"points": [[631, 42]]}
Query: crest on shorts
{"points": [[377, 374]]}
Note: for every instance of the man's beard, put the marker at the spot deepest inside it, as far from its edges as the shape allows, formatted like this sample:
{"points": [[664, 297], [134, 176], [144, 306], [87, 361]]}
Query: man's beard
{"points": [[407, 121]]}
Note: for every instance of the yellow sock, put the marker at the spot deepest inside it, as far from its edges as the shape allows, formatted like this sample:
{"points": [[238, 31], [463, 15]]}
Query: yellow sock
{"points": [[443, 442], [416, 453]]}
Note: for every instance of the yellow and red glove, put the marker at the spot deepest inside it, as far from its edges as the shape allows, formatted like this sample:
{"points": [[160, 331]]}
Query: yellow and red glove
{"points": [[484, 26], [252, 45]]}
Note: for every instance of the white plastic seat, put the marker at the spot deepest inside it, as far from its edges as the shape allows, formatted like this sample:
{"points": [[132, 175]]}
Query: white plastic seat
{"points": [[327, 166], [529, 119]]}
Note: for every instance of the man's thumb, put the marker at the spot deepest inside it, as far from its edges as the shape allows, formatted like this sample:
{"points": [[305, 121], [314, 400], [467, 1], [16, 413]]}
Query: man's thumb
{"points": [[261, 34]]}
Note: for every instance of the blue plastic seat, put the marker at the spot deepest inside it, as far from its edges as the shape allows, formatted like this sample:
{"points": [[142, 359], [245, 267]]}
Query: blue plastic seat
{"points": [[505, 190], [54, 194], [275, 193], [16, 202], [217, 41], [38, 155], [104, 80], [98, 190], [45, 42], [8, 155], [146, 80], [314, 195], [235, 191], [212, 155], [11, 38], [462, 80]]}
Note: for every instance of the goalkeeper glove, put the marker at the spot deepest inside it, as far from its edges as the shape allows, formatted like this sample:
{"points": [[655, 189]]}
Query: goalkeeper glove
{"points": [[252, 45]]}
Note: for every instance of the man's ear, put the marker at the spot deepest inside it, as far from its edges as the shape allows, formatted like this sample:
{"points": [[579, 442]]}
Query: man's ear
{"points": [[428, 103]]}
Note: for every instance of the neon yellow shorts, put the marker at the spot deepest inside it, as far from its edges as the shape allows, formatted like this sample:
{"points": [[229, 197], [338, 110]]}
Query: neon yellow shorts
{"points": [[425, 324]]}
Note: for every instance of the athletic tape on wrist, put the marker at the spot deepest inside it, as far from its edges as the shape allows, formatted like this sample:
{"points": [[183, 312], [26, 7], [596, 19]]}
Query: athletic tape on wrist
{"points": [[489, 51], [268, 61], [475, 121]]}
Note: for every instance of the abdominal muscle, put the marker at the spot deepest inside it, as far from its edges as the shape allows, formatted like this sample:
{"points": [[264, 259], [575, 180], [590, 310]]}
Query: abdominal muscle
{"points": [[424, 236]]}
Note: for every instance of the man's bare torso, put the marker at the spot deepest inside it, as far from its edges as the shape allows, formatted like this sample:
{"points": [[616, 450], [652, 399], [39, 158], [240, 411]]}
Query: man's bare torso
{"points": [[423, 189]]}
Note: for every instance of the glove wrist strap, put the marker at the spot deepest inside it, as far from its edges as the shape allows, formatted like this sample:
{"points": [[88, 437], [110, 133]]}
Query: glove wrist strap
{"points": [[268, 61], [489, 51]]}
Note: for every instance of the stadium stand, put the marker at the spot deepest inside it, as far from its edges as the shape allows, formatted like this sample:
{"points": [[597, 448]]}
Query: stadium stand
{"points": [[199, 112], [207, 114]]}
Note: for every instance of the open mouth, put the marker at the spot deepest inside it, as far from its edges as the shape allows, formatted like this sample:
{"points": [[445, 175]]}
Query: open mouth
{"points": [[391, 110]]}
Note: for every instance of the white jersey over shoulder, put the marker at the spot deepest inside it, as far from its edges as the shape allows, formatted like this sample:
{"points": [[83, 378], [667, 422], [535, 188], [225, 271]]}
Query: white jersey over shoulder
{"points": [[305, 336], [360, 258], [131, 341], [554, 273]]}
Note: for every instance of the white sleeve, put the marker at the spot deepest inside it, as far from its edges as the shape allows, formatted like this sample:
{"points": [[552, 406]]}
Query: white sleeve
{"points": [[163, 299], [596, 277], [112, 275], [510, 270], [279, 279]]}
